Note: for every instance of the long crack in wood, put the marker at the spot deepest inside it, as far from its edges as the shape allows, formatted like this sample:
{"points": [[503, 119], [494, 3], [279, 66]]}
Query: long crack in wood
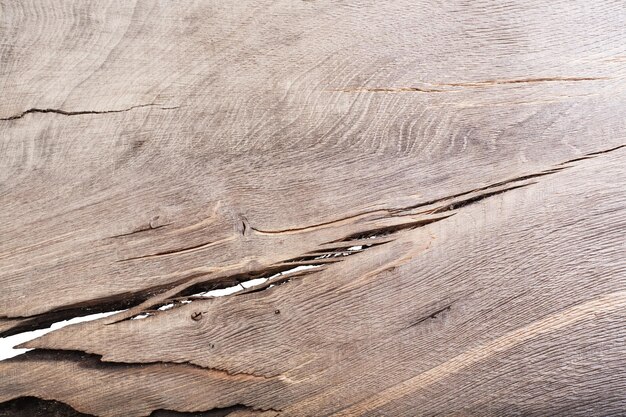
{"points": [[284, 271], [79, 112], [32, 406]]}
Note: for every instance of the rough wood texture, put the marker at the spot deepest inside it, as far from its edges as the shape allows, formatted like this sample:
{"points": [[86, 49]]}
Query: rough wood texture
{"points": [[473, 151]]}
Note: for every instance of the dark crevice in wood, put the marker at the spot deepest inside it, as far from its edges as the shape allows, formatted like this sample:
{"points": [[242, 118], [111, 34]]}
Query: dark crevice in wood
{"points": [[389, 90], [128, 300], [524, 178], [103, 305], [169, 252], [345, 245], [388, 230], [232, 280], [145, 228], [582, 158], [396, 211], [432, 315], [332, 253], [592, 155], [94, 361], [463, 203], [318, 225], [215, 412], [485, 188], [521, 81], [463, 84], [273, 276], [31, 406], [46, 319], [558, 168], [78, 112], [277, 281], [606, 150]]}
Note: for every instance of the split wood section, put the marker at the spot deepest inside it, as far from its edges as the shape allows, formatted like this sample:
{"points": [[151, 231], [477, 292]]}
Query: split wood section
{"points": [[454, 172]]}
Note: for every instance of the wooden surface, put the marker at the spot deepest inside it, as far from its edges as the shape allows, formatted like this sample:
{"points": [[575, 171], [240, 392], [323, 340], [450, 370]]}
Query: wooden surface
{"points": [[474, 151]]}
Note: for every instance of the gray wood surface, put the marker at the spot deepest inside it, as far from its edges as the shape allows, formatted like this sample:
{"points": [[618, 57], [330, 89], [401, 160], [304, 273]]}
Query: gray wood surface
{"points": [[473, 151]]}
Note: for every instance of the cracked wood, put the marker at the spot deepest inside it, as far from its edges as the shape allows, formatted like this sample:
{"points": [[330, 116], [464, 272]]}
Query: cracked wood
{"points": [[454, 172]]}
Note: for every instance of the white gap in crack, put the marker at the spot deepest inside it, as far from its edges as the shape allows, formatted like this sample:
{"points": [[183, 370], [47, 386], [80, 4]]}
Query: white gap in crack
{"points": [[251, 283], [230, 290], [7, 344]]}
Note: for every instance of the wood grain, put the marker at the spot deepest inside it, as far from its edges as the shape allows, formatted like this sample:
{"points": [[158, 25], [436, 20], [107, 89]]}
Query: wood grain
{"points": [[474, 151]]}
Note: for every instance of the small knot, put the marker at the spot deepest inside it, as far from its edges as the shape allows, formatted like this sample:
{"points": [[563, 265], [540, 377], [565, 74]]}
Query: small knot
{"points": [[196, 316]]}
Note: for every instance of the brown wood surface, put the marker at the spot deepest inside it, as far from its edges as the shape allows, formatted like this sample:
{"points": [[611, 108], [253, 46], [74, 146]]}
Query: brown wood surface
{"points": [[474, 151]]}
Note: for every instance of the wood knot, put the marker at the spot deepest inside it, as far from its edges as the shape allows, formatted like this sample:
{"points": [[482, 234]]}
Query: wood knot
{"points": [[244, 225], [196, 316]]}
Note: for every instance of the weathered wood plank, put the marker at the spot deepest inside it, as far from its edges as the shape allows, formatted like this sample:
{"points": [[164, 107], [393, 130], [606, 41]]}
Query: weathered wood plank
{"points": [[176, 120], [437, 307], [473, 152]]}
